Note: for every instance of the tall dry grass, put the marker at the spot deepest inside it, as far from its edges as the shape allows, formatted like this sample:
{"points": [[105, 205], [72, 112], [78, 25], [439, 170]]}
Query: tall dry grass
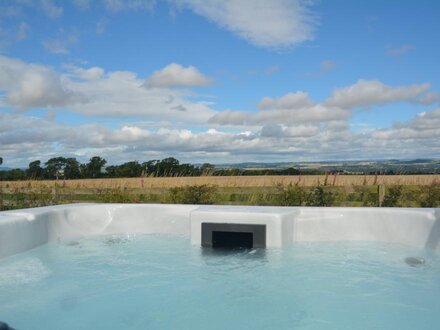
{"points": [[233, 181]]}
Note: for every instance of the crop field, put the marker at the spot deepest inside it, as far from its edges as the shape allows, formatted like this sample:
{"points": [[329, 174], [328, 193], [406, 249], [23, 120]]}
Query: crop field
{"points": [[232, 181], [310, 190]]}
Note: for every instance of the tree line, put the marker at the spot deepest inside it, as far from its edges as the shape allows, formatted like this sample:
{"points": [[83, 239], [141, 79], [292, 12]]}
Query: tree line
{"points": [[71, 168]]}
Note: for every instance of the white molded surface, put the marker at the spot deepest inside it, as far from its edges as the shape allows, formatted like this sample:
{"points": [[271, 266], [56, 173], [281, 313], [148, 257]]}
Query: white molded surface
{"points": [[21, 230], [278, 221]]}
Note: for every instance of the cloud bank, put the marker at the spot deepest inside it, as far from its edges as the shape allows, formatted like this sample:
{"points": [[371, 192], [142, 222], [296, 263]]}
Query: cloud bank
{"points": [[164, 120]]}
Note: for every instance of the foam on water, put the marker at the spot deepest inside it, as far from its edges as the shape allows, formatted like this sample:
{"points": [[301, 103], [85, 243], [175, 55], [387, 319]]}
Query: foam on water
{"points": [[162, 282], [23, 271]]}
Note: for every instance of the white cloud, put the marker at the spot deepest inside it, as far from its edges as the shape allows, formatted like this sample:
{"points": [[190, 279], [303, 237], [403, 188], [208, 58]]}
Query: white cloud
{"points": [[295, 100], [290, 109], [94, 92], [315, 113], [121, 94], [230, 117], [93, 73], [299, 131], [278, 116], [32, 85], [399, 51], [286, 127], [418, 137], [274, 23], [367, 93], [26, 138], [429, 98], [426, 123], [176, 75]]}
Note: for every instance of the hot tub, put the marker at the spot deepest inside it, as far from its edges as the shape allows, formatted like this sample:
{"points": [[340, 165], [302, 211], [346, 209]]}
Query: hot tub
{"points": [[136, 266]]}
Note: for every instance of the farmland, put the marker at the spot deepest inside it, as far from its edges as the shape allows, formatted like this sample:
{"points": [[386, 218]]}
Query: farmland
{"points": [[311, 190]]}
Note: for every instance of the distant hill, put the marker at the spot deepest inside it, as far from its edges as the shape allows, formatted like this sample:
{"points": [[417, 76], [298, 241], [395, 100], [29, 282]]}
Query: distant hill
{"points": [[431, 166]]}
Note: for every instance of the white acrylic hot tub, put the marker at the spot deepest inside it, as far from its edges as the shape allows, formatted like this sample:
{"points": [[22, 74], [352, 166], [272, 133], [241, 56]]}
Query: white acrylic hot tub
{"points": [[21, 230]]}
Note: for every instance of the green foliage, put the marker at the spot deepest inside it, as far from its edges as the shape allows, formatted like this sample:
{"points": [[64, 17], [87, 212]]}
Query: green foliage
{"points": [[13, 175], [290, 195], [34, 194], [228, 172], [116, 196], [72, 169], [392, 196], [126, 170], [207, 169], [26, 197], [368, 195], [430, 195], [170, 167], [202, 194], [54, 167], [319, 197], [58, 167], [93, 168], [35, 171]]}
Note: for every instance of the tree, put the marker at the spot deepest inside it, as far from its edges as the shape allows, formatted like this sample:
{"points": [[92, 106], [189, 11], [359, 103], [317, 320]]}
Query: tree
{"points": [[167, 167], [55, 167], [15, 174], [129, 170], [94, 166], [150, 167], [35, 171], [71, 169], [207, 169]]}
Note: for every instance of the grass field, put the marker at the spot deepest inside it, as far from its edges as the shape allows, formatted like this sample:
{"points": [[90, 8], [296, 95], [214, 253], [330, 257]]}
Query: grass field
{"points": [[330, 190]]}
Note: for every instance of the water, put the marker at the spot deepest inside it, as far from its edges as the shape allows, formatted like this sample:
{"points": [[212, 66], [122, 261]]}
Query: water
{"points": [[162, 282]]}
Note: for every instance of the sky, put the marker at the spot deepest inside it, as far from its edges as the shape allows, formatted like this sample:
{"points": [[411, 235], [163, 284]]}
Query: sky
{"points": [[219, 81]]}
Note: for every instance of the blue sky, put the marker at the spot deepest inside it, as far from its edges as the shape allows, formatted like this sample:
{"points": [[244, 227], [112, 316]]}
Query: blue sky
{"points": [[219, 81]]}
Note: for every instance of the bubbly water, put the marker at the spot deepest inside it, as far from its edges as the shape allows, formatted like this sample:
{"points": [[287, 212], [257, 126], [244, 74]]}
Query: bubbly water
{"points": [[162, 282]]}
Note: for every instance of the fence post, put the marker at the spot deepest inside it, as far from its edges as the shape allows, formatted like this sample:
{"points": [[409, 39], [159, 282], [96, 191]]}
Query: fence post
{"points": [[1, 196], [54, 194], [381, 193]]}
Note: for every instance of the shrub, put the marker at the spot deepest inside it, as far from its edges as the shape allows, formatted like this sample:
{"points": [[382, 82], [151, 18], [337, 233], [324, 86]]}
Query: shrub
{"points": [[430, 195], [202, 194], [116, 196], [291, 195], [392, 196], [319, 197], [367, 195]]}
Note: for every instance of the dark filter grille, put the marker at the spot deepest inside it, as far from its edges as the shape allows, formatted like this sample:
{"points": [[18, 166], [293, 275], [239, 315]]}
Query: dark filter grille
{"points": [[229, 239], [231, 235]]}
